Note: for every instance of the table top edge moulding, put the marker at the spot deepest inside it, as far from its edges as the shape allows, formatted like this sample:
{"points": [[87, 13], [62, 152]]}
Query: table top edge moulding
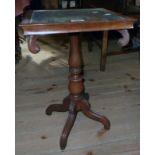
{"points": [[80, 22]]}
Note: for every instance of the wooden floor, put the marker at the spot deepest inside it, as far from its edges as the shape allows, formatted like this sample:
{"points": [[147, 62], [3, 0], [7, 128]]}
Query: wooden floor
{"points": [[42, 80]]}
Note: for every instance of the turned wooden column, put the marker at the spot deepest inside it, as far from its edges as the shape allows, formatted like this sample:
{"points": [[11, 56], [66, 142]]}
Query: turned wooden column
{"points": [[77, 100], [75, 67]]}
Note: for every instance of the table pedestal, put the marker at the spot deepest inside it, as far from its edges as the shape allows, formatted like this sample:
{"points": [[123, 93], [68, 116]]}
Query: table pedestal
{"points": [[77, 100]]}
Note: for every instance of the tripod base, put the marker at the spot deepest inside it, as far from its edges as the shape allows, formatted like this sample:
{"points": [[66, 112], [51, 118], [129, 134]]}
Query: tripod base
{"points": [[73, 106]]}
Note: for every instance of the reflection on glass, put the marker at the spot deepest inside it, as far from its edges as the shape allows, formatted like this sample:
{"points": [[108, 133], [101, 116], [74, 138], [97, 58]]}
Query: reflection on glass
{"points": [[76, 15]]}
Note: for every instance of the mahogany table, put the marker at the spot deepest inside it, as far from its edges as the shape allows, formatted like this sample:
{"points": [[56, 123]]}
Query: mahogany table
{"points": [[73, 22]]}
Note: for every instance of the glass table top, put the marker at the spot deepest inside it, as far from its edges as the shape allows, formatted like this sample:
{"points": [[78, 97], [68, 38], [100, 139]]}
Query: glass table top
{"points": [[73, 16]]}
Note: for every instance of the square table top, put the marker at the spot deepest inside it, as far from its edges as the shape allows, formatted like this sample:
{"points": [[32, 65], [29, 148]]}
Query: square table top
{"points": [[40, 22]]}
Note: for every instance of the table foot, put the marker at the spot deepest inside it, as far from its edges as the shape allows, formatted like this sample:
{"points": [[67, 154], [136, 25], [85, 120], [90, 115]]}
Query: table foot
{"points": [[86, 110], [68, 126], [59, 107]]}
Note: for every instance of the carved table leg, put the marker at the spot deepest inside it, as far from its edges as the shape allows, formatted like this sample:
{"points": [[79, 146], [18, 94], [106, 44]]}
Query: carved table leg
{"points": [[59, 107], [68, 126], [85, 108]]}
